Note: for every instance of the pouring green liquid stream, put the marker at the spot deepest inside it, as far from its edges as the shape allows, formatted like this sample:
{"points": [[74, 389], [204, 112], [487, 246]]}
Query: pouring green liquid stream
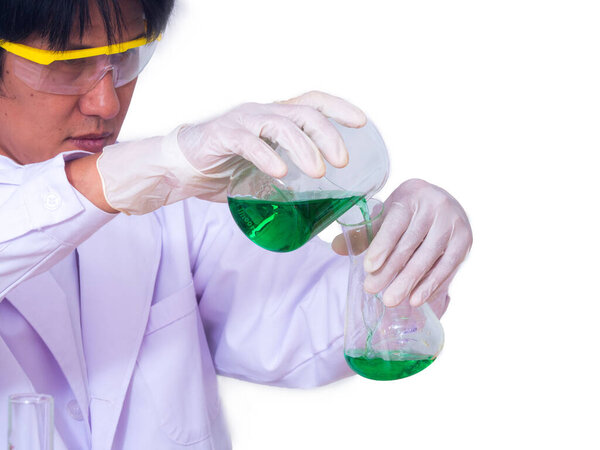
{"points": [[288, 222]]}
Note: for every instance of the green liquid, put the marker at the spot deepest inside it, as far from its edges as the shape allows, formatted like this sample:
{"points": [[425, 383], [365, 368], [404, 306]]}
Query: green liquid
{"points": [[386, 366], [364, 210], [372, 302], [283, 226]]}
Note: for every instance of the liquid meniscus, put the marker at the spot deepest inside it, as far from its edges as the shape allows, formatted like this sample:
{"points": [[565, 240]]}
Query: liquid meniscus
{"points": [[386, 365], [283, 226]]}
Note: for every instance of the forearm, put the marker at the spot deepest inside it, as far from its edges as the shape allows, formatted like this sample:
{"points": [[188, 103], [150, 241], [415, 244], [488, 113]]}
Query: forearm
{"points": [[43, 219], [83, 176]]}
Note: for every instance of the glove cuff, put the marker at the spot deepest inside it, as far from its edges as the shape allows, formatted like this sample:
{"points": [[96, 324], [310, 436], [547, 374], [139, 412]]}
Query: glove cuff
{"points": [[140, 177]]}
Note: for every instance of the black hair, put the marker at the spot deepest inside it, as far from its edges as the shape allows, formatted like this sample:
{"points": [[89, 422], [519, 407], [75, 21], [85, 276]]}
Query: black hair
{"points": [[54, 20]]}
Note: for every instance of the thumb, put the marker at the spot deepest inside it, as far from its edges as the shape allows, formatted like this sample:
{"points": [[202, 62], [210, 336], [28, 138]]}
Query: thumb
{"points": [[338, 245], [359, 242]]}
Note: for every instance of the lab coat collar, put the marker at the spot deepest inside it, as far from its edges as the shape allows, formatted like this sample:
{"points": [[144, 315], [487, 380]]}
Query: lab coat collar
{"points": [[43, 303], [118, 267]]}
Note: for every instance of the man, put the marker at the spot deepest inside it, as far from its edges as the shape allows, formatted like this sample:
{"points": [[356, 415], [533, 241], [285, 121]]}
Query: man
{"points": [[125, 319]]}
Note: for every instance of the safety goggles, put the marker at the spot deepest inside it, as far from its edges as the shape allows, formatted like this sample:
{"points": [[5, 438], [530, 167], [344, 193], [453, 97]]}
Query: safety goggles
{"points": [[75, 72]]}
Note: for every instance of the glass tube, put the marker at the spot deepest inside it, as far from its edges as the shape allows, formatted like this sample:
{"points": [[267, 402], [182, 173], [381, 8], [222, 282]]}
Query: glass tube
{"points": [[30, 422]]}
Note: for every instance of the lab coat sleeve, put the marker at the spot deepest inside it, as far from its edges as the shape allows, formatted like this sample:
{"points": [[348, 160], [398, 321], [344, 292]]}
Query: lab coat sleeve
{"points": [[42, 218], [272, 318]]}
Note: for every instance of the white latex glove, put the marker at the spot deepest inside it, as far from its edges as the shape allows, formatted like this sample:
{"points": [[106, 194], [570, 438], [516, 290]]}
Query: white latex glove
{"points": [[424, 236], [198, 160]]}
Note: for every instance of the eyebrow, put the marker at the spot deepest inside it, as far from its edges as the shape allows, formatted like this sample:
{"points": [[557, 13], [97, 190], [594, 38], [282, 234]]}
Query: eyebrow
{"points": [[84, 47]]}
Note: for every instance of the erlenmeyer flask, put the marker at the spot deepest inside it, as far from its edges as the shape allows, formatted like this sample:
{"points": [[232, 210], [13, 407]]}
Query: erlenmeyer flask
{"points": [[382, 343], [282, 214]]}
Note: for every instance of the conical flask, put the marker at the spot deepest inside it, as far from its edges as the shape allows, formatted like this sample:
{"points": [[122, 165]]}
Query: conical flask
{"points": [[382, 343], [282, 214]]}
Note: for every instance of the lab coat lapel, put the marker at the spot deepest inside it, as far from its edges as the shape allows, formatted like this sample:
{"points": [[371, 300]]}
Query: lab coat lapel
{"points": [[118, 267], [12, 374], [43, 303]]}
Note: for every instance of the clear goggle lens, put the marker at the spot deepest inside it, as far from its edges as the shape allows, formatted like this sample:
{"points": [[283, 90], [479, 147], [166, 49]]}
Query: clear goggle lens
{"points": [[78, 76]]}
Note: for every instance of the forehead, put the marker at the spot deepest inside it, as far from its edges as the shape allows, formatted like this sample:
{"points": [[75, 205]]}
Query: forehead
{"points": [[129, 24]]}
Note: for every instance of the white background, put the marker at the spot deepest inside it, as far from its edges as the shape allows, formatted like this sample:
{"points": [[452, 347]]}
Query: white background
{"points": [[499, 104]]}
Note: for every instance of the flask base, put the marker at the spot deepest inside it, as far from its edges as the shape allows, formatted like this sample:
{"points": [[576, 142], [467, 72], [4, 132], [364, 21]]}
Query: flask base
{"points": [[385, 366]]}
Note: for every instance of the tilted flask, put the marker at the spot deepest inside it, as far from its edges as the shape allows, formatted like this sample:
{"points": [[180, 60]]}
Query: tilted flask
{"points": [[282, 214]]}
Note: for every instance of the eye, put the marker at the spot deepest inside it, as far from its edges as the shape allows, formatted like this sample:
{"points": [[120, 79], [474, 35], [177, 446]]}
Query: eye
{"points": [[124, 56], [71, 63]]}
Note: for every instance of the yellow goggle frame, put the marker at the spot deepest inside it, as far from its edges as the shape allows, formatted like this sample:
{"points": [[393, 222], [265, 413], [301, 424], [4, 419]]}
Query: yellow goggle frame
{"points": [[47, 57]]}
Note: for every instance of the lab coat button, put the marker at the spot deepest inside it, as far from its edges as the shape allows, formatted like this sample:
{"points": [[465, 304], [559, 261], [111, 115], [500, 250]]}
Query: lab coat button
{"points": [[74, 410], [52, 201]]}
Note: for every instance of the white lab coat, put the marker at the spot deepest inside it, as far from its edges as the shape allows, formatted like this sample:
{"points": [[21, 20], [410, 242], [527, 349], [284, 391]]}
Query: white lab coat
{"points": [[168, 300]]}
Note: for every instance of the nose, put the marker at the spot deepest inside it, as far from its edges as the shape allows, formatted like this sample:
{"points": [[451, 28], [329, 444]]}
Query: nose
{"points": [[102, 100]]}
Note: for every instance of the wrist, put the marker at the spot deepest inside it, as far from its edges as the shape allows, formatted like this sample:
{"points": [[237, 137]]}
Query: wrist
{"points": [[138, 177], [83, 176]]}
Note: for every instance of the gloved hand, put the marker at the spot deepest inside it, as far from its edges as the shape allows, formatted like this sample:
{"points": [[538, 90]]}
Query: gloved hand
{"points": [[424, 236], [198, 160]]}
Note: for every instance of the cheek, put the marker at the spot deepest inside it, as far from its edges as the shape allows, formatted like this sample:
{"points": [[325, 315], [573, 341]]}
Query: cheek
{"points": [[33, 123], [124, 93], [25, 106], [51, 111], [46, 118], [37, 109]]}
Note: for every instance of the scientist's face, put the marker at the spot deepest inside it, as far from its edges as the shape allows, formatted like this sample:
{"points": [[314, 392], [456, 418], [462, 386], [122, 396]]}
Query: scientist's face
{"points": [[36, 126]]}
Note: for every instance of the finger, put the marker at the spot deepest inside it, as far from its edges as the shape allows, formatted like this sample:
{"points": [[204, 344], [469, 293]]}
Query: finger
{"points": [[359, 242], [439, 300], [444, 268], [302, 151], [356, 240], [400, 255], [338, 109], [416, 268], [255, 150], [434, 294], [320, 130], [394, 226]]}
